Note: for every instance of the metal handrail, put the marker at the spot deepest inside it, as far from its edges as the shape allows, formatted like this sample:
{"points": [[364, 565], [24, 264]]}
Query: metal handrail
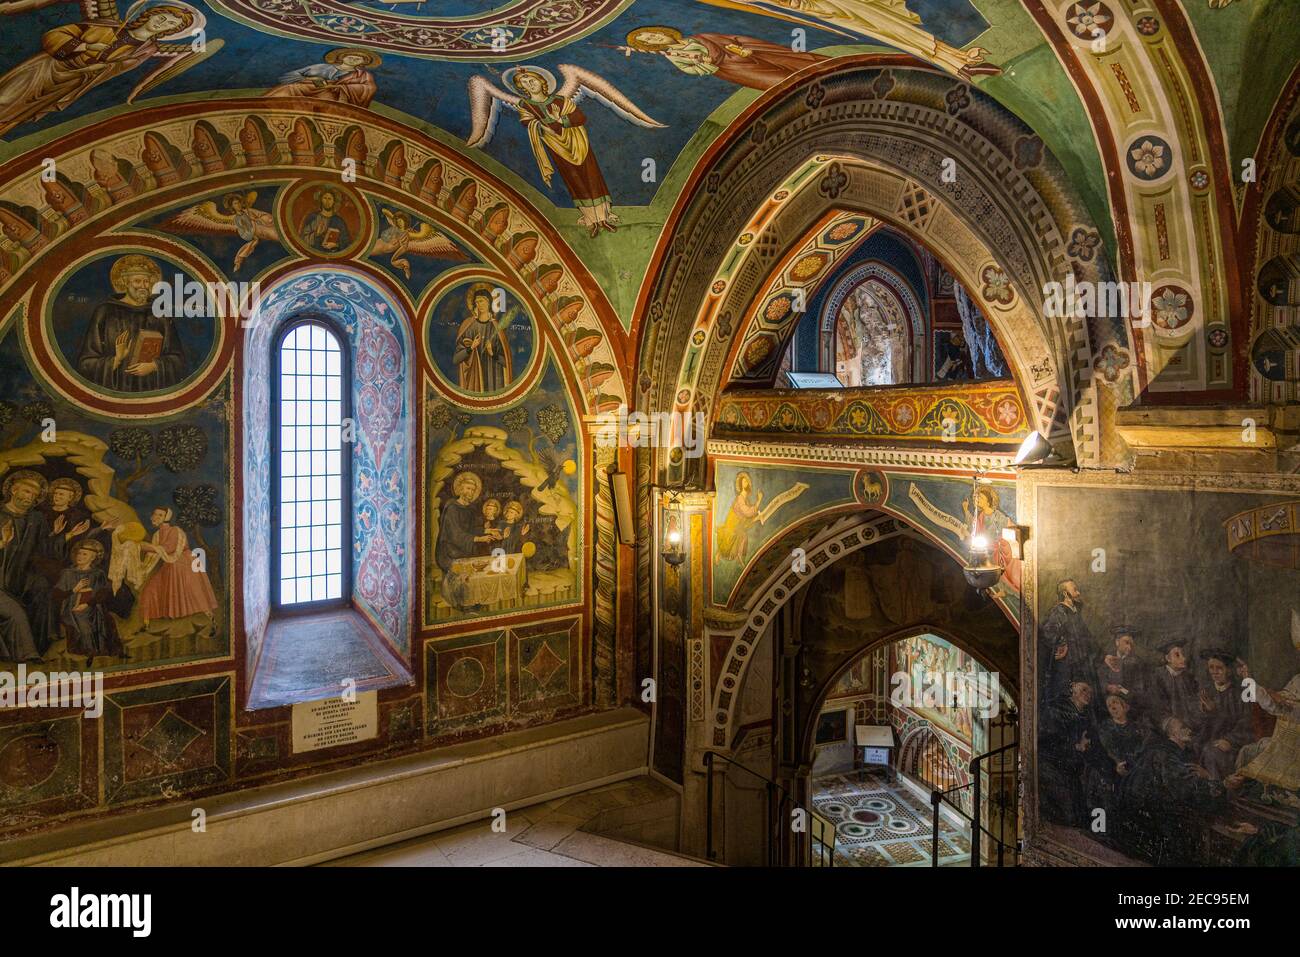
{"points": [[771, 787], [978, 829]]}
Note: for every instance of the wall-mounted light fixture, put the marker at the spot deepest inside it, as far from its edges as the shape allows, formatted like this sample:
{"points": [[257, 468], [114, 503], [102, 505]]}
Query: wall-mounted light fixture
{"points": [[1036, 452], [624, 518], [981, 572], [674, 545]]}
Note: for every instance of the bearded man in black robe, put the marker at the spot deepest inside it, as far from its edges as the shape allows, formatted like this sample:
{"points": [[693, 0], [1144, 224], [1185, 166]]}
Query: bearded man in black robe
{"points": [[25, 623], [1065, 646], [460, 532], [1075, 773], [1167, 799]]}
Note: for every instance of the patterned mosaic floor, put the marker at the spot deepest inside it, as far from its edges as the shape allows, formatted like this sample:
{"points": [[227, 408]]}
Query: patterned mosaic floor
{"points": [[882, 825]]}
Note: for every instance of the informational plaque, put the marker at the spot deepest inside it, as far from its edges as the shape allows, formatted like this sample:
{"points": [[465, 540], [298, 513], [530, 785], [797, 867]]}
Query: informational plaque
{"points": [[875, 755], [334, 721]]}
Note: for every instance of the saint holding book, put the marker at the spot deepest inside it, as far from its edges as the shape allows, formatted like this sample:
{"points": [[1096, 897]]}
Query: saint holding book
{"points": [[127, 348]]}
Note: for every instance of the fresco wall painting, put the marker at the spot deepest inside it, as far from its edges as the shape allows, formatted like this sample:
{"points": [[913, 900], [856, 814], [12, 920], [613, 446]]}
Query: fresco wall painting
{"points": [[1166, 690], [140, 475], [756, 503]]}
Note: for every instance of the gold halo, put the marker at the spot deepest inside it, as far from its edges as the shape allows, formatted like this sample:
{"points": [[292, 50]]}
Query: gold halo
{"points": [[130, 265], [644, 47], [68, 483], [90, 545], [372, 59], [472, 292], [26, 475]]}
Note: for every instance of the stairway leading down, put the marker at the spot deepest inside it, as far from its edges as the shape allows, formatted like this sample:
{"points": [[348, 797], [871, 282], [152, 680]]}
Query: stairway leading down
{"points": [[631, 823]]}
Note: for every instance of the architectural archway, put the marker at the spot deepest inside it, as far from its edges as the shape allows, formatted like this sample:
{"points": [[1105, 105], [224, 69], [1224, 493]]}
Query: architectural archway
{"points": [[740, 631], [384, 396], [868, 140], [897, 303]]}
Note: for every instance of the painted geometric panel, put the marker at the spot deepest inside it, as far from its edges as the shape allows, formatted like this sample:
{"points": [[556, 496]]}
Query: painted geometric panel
{"points": [[167, 738], [46, 766], [466, 680], [544, 673]]}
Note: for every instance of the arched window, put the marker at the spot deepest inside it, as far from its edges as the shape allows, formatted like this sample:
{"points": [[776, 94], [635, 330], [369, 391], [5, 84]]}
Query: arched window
{"points": [[311, 481]]}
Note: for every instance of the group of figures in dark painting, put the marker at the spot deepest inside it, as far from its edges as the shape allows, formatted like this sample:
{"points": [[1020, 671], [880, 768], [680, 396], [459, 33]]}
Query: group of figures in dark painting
{"points": [[1155, 746], [68, 576]]}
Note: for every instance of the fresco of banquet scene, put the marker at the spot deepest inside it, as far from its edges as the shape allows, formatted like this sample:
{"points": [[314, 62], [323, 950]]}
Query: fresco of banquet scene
{"points": [[1170, 704], [111, 539], [504, 528]]}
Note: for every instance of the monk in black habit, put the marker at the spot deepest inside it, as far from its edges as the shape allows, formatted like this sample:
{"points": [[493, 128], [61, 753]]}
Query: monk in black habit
{"points": [[1122, 738], [83, 595], [115, 352], [1075, 772], [460, 531], [1173, 687], [1065, 646], [1226, 721], [24, 592], [1167, 798]]}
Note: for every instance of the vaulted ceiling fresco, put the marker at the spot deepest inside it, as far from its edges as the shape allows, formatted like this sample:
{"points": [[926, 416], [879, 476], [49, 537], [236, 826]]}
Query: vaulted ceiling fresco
{"points": [[656, 81]]}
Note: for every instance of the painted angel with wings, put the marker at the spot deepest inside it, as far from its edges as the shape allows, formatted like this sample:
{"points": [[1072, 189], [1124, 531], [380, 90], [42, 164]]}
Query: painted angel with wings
{"points": [[235, 216], [77, 57], [557, 128], [400, 239], [887, 20]]}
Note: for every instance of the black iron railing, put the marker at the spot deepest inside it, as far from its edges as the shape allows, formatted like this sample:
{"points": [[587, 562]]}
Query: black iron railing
{"points": [[1004, 803], [779, 805]]}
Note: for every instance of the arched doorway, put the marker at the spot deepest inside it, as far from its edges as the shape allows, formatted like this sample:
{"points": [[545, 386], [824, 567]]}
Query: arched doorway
{"points": [[884, 582], [920, 709]]}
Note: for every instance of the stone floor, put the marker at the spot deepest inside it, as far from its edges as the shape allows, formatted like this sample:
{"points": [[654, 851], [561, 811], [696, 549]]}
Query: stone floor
{"points": [[308, 658], [883, 824], [558, 833]]}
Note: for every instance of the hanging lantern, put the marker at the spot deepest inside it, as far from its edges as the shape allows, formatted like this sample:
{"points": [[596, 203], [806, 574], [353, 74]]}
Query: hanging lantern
{"points": [[674, 545], [981, 571]]}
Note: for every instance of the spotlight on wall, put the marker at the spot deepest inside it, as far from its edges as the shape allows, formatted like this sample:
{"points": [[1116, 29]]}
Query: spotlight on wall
{"points": [[1036, 450]]}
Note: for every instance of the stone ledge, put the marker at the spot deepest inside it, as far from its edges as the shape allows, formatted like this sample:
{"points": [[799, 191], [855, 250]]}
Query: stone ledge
{"points": [[343, 812]]}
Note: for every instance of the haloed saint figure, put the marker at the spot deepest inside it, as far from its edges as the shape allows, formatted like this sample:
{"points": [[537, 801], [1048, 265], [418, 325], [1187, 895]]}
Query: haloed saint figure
{"points": [[482, 355], [127, 348], [323, 229]]}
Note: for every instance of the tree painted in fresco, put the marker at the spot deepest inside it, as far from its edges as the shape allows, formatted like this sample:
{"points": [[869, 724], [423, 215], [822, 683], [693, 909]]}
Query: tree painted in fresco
{"points": [[442, 416], [132, 444], [179, 448], [199, 507], [19, 419], [553, 422]]}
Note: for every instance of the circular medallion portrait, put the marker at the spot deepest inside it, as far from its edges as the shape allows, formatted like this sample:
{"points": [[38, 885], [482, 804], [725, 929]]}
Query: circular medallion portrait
{"points": [[481, 338], [324, 219], [131, 324]]}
